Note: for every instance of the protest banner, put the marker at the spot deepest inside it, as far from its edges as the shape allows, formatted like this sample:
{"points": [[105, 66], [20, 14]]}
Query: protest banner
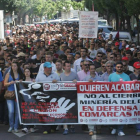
{"points": [[46, 103], [108, 102], [88, 24]]}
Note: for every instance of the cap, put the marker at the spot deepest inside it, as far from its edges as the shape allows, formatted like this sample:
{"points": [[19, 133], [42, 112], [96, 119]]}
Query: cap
{"points": [[109, 42], [21, 54], [125, 58], [117, 43], [136, 65], [47, 64], [127, 49]]}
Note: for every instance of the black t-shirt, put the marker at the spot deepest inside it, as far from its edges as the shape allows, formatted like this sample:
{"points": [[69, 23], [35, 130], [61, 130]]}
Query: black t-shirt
{"points": [[97, 64], [34, 71], [37, 62], [132, 62], [128, 72]]}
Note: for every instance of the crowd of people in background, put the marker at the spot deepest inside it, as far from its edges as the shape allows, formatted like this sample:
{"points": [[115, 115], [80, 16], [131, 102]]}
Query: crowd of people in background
{"points": [[55, 50]]}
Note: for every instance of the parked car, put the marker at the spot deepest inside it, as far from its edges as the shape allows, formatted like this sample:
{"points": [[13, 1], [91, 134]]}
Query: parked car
{"points": [[55, 21], [123, 35], [106, 30], [102, 22]]}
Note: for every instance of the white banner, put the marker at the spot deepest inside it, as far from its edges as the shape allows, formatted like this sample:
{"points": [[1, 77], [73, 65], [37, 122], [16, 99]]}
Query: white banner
{"points": [[88, 24], [108, 103]]}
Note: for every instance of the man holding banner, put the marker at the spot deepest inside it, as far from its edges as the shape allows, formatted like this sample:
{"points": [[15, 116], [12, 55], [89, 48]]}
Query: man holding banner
{"points": [[135, 76], [47, 75], [68, 75], [119, 75], [92, 78]]}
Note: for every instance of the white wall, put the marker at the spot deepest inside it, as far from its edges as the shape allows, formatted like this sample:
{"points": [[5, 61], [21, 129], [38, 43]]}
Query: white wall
{"points": [[1, 25]]}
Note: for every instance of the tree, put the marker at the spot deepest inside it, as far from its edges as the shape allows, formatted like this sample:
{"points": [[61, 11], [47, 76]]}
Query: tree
{"points": [[78, 5], [133, 9]]}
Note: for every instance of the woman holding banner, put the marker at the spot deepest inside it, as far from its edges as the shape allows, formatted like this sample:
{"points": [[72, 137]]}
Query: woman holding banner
{"points": [[28, 77], [14, 75]]}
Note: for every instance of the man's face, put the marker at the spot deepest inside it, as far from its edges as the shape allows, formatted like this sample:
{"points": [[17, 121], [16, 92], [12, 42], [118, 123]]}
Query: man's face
{"points": [[67, 67], [67, 51], [52, 49], [92, 69], [92, 45], [70, 58], [58, 66], [119, 58], [103, 67], [86, 66], [48, 70], [124, 66], [83, 53], [129, 56], [48, 58], [99, 57], [63, 47], [109, 67], [42, 44], [119, 68], [112, 57]]}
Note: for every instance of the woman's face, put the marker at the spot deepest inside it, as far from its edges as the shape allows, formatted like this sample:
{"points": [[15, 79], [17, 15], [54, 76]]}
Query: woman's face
{"points": [[27, 73], [14, 67]]}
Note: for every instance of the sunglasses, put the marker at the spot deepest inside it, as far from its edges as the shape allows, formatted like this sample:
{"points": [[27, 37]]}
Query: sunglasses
{"points": [[99, 56], [109, 66], [86, 64]]}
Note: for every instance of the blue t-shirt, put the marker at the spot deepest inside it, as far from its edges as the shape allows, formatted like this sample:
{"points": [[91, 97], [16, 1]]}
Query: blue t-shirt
{"points": [[11, 87], [1, 79], [114, 77]]}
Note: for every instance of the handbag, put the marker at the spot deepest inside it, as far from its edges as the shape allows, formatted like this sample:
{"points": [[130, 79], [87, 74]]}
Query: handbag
{"points": [[9, 95]]}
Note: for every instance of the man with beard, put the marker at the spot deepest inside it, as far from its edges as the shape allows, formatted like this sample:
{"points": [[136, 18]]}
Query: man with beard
{"points": [[119, 75]]}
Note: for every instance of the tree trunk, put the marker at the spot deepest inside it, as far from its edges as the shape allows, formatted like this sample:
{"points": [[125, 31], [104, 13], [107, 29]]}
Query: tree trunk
{"points": [[128, 24], [117, 21], [137, 18], [123, 23]]}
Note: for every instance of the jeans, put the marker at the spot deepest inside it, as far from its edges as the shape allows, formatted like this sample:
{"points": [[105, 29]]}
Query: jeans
{"points": [[138, 127], [3, 112], [119, 127], [13, 114], [91, 127]]}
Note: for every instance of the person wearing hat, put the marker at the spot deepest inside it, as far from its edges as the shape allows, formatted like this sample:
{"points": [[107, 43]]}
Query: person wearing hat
{"points": [[44, 76], [136, 76], [125, 59]]}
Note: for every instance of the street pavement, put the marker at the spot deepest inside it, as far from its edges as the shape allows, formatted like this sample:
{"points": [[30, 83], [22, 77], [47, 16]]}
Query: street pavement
{"points": [[78, 135]]}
